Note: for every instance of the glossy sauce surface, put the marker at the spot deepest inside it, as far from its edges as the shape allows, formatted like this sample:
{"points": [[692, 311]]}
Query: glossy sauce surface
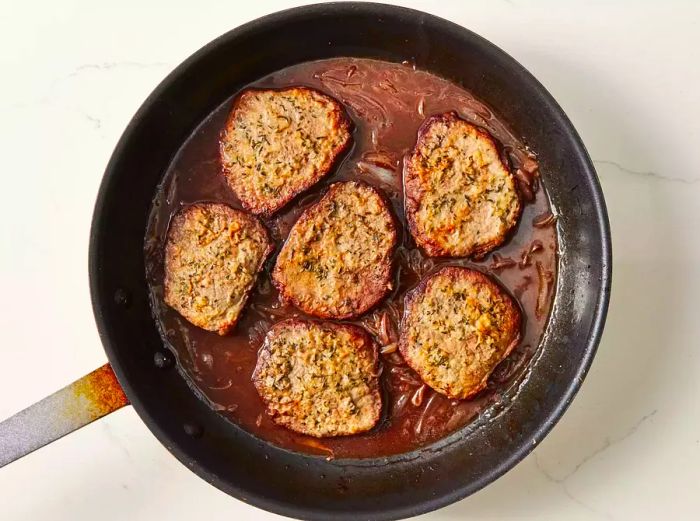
{"points": [[387, 102]]}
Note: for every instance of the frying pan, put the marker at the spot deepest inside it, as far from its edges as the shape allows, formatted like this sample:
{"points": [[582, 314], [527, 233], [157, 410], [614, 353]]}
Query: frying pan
{"points": [[243, 466]]}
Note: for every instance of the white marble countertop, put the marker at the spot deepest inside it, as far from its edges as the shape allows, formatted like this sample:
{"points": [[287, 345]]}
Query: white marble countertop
{"points": [[627, 75]]}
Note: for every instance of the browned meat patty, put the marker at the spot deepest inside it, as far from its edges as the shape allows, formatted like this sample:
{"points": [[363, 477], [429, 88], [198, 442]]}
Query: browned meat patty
{"points": [[336, 262], [461, 199], [212, 259], [319, 379], [458, 325], [278, 143]]}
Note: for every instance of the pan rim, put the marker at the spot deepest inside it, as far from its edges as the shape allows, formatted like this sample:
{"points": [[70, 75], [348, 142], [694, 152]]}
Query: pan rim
{"points": [[517, 452]]}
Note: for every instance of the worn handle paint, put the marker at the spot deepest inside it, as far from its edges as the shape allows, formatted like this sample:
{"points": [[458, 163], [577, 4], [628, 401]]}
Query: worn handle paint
{"points": [[82, 402]]}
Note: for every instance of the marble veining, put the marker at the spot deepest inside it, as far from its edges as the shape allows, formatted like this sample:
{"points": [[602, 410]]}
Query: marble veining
{"points": [[646, 173]]}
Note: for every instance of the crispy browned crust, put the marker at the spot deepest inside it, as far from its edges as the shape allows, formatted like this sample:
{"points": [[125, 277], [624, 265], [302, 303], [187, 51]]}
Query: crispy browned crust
{"points": [[354, 291], [326, 406], [415, 192], [181, 247], [432, 342], [267, 204]]}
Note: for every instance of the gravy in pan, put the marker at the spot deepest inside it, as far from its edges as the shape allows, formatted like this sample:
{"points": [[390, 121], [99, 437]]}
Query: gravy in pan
{"points": [[387, 103]]}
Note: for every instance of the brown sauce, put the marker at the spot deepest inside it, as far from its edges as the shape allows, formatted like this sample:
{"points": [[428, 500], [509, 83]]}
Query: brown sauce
{"points": [[387, 103]]}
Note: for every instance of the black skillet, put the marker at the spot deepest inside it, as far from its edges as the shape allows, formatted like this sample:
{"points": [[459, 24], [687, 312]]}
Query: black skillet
{"points": [[277, 480]]}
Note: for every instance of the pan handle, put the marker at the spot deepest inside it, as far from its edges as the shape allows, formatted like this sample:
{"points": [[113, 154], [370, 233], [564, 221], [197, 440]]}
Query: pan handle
{"points": [[82, 402]]}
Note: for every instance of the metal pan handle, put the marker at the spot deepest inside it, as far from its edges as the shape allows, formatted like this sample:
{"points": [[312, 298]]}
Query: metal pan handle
{"points": [[82, 402]]}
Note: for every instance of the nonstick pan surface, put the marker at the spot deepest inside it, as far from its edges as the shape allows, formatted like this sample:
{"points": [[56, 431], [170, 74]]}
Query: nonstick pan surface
{"points": [[310, 487]]}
